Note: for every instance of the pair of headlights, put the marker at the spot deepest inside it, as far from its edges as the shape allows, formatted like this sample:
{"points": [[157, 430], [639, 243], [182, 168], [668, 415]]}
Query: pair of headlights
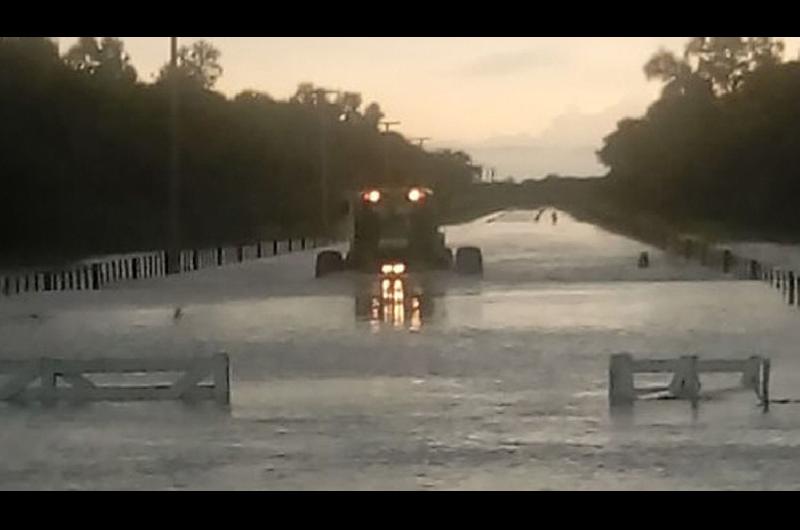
{"points": [[393, 268], [374, 196]]}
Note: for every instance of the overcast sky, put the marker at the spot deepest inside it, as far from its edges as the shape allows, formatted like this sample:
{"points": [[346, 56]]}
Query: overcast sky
{"points": [[548, 100]]}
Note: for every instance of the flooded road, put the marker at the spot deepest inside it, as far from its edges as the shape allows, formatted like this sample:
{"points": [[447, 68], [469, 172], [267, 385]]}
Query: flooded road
{"points": [[499, 383]]}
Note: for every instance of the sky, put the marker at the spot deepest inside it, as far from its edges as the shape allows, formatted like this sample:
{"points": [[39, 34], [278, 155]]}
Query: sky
{"points": [[527, 106]]}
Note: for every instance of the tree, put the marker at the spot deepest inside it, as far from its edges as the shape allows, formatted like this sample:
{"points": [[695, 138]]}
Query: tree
{"points": [[373, 115], [725, 154], [253, 96], [305, 94], [765, 51], [104, 60], [349, 103], [250, 164], [198, 65], [726, 61], [676, 74]]}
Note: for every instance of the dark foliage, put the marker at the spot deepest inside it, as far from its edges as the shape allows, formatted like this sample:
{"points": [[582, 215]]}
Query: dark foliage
{"points": [[722, 144], [84, 154]]}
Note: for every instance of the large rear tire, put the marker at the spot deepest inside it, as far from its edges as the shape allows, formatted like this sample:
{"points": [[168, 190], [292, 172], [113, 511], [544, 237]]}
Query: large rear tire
{"points": [[328, 261], [469, 260], [444, 261]]}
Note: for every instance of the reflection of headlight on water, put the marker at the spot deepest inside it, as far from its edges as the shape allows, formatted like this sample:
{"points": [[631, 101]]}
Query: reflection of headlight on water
{"points": [[391, 306]]}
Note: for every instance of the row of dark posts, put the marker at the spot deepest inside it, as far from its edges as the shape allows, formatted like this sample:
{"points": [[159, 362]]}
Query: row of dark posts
{"points": [[94, 274], [709, 256], [785, 281]]}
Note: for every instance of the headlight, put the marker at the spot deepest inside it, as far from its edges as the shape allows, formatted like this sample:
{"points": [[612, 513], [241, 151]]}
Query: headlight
{"points": [[393, 268], [372, 196], [415, 195]]}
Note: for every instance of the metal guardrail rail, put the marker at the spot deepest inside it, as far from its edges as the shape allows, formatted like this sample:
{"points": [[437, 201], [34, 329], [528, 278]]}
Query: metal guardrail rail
{"points": [[685, 370], [93, 274], [71, 379]]}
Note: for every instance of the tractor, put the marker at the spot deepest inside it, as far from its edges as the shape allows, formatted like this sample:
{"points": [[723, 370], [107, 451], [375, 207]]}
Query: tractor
{"points": [[395, 231]]}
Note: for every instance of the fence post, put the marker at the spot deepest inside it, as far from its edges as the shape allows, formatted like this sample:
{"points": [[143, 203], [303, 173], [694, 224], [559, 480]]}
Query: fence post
{"points": [[791, 287], [620, 380], [240, 253], [168, 265], [95, 276], [754, 270], [750, 375], [274, 247], [727, 258], [220, 257], [303, 243], [686, 383], [765, 368], [221, 376]]}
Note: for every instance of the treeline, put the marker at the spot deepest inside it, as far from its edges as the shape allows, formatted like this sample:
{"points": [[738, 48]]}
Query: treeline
{"points": [[85, 158], [721, 146]]}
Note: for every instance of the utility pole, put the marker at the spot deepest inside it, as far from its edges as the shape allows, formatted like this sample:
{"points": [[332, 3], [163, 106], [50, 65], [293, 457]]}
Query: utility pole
{"points": [[321, 99], [386, 124], [174, 245], [420, 141]]}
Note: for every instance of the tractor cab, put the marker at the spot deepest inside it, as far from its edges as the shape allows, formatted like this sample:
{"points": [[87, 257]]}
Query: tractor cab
{"points": [[397, 227], [394, 231]]}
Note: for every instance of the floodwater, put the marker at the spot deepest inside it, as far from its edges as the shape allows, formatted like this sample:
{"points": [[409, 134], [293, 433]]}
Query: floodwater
{"points": [[499, 383]]}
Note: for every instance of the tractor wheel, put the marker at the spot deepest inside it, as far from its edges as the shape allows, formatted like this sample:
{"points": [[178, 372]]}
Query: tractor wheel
{"points": [[469, 260], [328, 261], [445, 259]]}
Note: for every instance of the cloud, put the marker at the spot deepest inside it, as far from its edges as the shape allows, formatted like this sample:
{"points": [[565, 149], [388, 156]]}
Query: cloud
{"points": [[567, 146], [506, 63]]}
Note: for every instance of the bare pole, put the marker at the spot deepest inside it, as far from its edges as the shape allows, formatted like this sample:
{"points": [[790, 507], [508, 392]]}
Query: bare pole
{"points": [[173, 252], [386, 124], [321, 98], [420, 140]]}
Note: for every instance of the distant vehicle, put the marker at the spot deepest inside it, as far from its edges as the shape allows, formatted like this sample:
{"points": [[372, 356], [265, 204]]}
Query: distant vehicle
{"points": [[396, 231]]}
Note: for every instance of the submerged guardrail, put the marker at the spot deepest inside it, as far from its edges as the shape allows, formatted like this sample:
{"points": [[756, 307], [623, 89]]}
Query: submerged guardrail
{"points": [[71, 379], [93, 274], [685, 371]]}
